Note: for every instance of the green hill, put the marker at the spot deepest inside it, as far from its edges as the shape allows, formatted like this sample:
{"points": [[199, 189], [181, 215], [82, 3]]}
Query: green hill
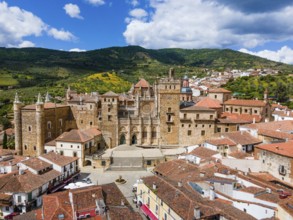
{"points": [[39, 69]]}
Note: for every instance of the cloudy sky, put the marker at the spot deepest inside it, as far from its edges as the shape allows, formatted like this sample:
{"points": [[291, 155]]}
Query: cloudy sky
{"points": [[259, 27]]}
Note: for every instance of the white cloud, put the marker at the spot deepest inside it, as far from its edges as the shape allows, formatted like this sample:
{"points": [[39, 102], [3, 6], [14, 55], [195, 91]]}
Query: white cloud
{"points": [[76, 50], [16, 24], [207, 24], [134, 3], [72, 10], [96, 2], [284, 55], [61, 34], [138, 13]]}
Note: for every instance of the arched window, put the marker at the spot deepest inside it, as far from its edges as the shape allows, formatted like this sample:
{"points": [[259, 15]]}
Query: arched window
{"points": [[49, 125]]}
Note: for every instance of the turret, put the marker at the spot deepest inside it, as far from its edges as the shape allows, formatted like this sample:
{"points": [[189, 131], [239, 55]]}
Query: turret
{"points": [[47, 99], [40, 121], [17, 124]]}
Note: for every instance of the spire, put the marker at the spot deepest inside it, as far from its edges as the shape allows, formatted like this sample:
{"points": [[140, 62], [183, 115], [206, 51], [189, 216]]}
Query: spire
{"points": [[39, 99], [16, 99], [47, 99]]}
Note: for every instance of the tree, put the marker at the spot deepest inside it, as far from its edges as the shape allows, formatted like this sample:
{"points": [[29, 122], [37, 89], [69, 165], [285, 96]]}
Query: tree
{"points": [[5, 141], [282, 92]]}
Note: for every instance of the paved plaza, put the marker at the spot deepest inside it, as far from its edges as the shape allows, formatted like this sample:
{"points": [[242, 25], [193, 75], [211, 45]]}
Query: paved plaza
{"points": [[99, 176]]}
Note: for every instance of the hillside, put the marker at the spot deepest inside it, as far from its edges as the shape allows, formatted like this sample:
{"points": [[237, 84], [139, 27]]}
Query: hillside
{"points": [[45, 69]]}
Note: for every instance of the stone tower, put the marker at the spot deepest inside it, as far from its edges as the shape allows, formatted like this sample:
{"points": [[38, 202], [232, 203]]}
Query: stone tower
{"points": [[40, 125], [169, 108], [17, 124], [109, 119]]}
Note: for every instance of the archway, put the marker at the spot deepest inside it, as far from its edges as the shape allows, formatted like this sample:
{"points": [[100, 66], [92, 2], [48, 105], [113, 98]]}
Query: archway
{"points": [[122, 139], [88, 163], [134, 139]]}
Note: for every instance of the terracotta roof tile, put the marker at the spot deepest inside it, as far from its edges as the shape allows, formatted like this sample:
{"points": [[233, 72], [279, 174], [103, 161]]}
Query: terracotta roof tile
{"points": [[242, 137], [74, 135], [284, 149], [142, 83], [110, 94], [209, 103], [203, 152], [221, 141], [58, 159], [284, 126], [219, 90], [47, 105], [244, 102], [275, 134], [36, 164], [241, 118]]}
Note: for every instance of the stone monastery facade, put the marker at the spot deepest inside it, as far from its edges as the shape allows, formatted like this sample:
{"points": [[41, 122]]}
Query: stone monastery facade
{"points": [[159, 115]]}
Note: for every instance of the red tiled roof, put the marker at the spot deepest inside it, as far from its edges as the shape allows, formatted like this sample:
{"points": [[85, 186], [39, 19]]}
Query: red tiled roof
{"points": [[74, 135], [244, 102], [219, 90], [275, 134], [58, 159], [110, 94], [242, 137], [208, 102], [142, 83], [284, 149], [240, 118], [36, 164], [203, 152], [221, 141], [273, 125], [47, 105]]}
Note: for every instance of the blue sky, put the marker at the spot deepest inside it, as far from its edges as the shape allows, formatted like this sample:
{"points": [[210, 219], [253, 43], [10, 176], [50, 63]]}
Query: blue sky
{"points": [[259, 27]]}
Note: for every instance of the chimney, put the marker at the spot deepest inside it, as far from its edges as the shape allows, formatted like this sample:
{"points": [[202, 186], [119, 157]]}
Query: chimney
{"points": [[196, 212], [154, 186], [179, 184], [20, 171], [253, 120], [201, 174], [122, 202]]}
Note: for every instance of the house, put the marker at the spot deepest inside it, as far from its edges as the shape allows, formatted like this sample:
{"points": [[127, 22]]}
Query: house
{"points": [[94, 202], [277, 159], [248, 107], [220, 94], [282, 115], [222, 145], [9, 161], [67, 166], [77, 143], [270, 132]]}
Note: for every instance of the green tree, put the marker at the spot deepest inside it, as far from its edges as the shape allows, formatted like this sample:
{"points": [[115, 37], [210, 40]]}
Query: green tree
{"points": [[282, 92], [5, 141]]}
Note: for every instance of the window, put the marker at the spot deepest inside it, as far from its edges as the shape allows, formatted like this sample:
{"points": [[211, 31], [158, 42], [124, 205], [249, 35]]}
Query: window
{"points": [[189, 132], [196, 125], [91, 106], [236, 110], [182, 125], [184, 116], [49, 134], [165, 216], [255, 111], [109, 109], [144, 134], [263, 161], [197, 116], [227, 109], [109, 117], [169, 109], [19, 199], [218, 129], [226, 129], [203, 132], [81, 121], [61, 145], [169, 119], [157, 209], [91, 123], [189, 125], [49, 125], [154, 134], [202, 126], [71, 146], [245, 110], [99, 146], [35, 148], [211, 116], [210, 126], [25, 147], [61, 152], [29, 128], [169, 129], [103, 163], [7, 208], [75, 154], [216, 96], [282, 170], [149, 162]]}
